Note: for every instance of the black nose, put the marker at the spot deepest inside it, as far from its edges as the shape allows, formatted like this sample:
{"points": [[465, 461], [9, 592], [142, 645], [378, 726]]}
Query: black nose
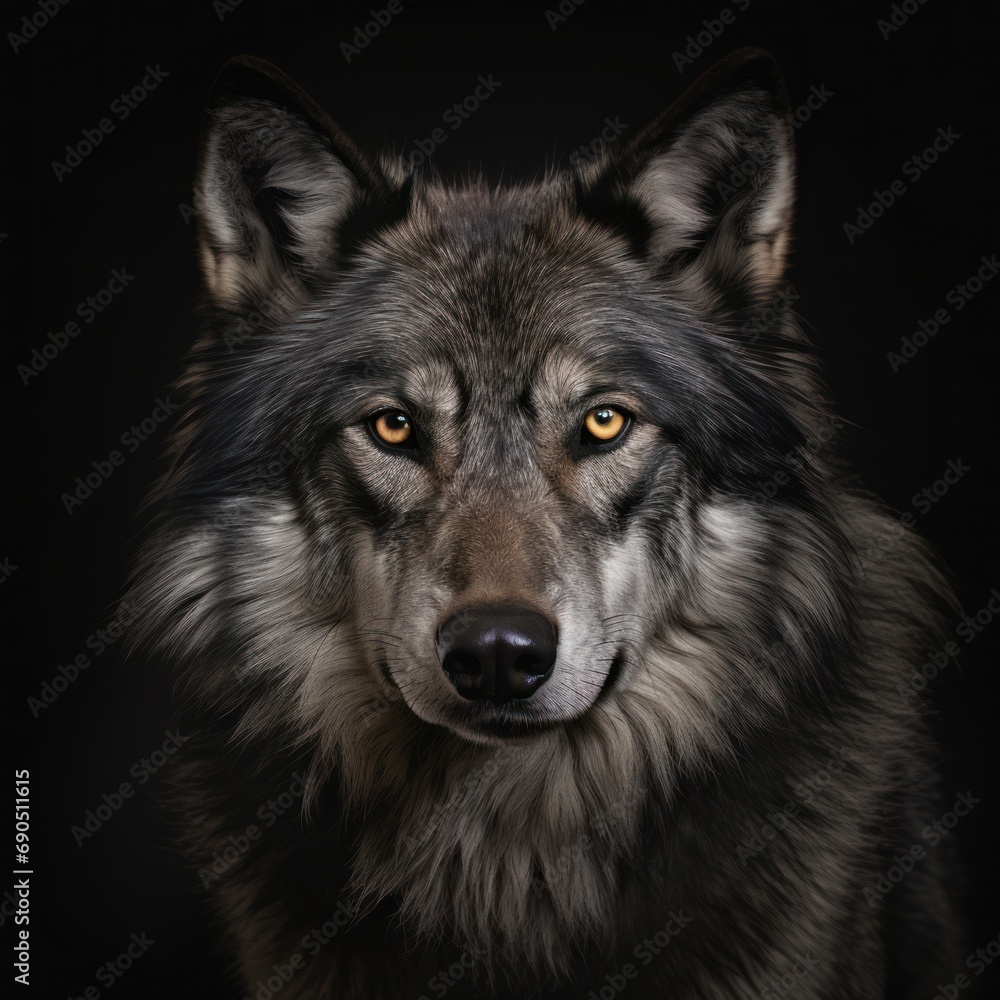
{"points": [[497, 652]]}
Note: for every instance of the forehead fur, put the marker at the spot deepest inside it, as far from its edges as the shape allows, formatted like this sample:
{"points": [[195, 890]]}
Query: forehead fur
{"points": [[491, 284]]}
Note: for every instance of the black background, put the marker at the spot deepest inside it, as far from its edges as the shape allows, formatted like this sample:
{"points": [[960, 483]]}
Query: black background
{"points": [[124, 207]]}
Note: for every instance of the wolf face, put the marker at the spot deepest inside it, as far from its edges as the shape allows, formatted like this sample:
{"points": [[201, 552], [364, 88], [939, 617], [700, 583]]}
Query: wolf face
{"points": [[509, 396], [488, 505]]}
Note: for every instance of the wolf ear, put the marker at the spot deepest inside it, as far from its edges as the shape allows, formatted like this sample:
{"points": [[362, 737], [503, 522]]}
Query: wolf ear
{"points": [[705, 190], [280, 189]]}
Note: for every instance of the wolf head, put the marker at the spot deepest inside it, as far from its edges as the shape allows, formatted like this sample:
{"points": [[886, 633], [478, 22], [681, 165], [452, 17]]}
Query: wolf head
{"points": [[509, 492]]}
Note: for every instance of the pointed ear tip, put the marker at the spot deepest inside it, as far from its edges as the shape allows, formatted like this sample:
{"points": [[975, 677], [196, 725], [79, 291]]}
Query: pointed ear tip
{"points": [[753, 66], [247, 64], [248, 75], [750, 54], [751, 59]]}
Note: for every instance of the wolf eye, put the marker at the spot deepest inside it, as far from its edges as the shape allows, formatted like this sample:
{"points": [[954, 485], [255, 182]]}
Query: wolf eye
{"points": [[393, 428], [603, 424]]}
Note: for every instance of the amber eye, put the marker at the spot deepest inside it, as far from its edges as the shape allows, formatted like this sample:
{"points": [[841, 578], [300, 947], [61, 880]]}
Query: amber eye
{"points": [[603, 424], [393, 427]]}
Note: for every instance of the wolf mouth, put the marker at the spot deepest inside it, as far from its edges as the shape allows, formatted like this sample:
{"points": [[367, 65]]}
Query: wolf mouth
{"points": [[514, 719]]}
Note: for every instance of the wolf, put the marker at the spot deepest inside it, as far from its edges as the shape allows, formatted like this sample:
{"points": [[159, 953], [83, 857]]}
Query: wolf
{"points": [[532, 636]]}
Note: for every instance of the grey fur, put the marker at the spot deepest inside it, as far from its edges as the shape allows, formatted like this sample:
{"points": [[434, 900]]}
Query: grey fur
{"points": [[735, 613]]}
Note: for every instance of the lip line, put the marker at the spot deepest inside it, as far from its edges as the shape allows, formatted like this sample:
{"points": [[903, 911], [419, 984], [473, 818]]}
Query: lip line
{"points": [[469, 724], [613, 676]]}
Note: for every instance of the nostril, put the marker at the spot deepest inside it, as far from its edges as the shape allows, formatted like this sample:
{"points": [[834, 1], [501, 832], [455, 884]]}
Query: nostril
{"points": [[526, 676], [530, 665], [459, 664], [498, 652]]}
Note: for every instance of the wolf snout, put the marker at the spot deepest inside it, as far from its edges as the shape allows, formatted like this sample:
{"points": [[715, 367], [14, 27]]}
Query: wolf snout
{"points": [[497, 652]]}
